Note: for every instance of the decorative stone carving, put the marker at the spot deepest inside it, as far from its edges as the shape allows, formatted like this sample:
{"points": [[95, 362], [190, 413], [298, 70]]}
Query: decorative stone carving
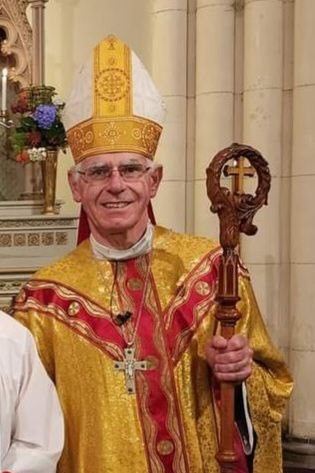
{"points": [[16, 56], [18, 39]]}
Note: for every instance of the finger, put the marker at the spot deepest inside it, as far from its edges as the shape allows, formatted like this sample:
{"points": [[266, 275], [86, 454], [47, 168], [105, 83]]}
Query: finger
{"points": [[237, 342], [218, 342], [238, 377], [229, 357], [235, 367]]}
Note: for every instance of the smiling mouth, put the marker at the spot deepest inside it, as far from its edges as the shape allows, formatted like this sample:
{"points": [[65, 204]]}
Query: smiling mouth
{"points": [[115, 205]]}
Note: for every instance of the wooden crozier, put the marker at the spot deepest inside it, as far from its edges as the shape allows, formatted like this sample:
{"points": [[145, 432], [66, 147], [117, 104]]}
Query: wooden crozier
{"points": [[236, 211]]}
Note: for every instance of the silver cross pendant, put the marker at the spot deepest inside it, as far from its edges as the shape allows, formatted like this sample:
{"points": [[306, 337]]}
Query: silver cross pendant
{"points": [[130, 365]]}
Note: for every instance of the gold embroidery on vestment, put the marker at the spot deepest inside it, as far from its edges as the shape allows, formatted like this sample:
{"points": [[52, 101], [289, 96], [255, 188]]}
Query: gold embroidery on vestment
{"points": [[202, 288], [165, 447], [73, 309], [21, 297], [135, 284]]}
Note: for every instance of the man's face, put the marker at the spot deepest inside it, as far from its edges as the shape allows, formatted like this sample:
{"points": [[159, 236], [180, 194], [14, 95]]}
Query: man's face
{"points": [[116, 206]]}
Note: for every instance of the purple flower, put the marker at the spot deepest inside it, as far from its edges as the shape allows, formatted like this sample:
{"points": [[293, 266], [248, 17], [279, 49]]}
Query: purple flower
{"points": [[45, 115]]}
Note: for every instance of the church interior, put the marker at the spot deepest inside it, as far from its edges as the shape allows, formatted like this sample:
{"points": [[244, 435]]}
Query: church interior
{"points": [[229, 71]]}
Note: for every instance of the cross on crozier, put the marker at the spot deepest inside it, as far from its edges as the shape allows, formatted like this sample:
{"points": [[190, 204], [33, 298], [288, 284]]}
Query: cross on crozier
{"points": [[238, 172], [130, 365]]}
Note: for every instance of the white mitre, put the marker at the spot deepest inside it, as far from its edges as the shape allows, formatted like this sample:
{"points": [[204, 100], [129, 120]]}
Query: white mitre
{"points": [[114, 105]]}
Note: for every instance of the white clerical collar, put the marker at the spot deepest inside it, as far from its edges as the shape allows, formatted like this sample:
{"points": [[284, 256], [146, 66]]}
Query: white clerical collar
{"points": [[142, 247]]}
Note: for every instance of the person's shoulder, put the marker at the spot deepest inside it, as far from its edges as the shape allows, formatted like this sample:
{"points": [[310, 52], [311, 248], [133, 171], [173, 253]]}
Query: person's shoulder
{"points": [[66, 264], [18, 351], [11, 329], [184, 242], [187, 249]]}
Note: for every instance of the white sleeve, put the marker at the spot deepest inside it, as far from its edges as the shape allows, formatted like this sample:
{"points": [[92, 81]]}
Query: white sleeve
{"points": [[38, 431], [243, 419]]}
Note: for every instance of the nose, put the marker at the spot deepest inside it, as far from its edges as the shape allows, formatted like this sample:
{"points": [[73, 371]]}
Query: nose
{"points": [[115, 182]]}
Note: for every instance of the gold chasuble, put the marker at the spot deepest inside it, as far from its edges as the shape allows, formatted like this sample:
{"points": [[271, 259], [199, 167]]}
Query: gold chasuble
{"points": [[169, 424]]}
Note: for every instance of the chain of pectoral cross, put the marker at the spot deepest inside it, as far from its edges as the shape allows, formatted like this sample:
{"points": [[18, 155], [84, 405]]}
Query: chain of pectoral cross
{"points": [[130, 365]]}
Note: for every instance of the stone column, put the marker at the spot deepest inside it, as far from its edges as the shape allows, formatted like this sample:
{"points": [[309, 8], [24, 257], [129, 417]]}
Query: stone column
{"points": [[191, 117], [38, 27], [262, 129], [302, 414], [214, 98], [169, 65], [32, 182]]}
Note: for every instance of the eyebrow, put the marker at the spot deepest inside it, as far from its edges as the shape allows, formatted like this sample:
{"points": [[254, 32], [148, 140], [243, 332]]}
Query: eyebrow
{"points": [[101, 165]]}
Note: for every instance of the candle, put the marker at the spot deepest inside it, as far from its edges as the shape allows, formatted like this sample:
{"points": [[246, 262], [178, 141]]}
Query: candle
{"points": [[4, 89]]}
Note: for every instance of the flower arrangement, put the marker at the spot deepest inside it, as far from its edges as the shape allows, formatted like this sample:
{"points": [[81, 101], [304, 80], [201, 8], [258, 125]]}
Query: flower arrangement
{"points": [[38, 124]]}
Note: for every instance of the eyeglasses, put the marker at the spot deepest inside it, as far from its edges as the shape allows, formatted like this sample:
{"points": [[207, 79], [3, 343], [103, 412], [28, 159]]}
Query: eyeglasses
{"points": [[128, 172]]}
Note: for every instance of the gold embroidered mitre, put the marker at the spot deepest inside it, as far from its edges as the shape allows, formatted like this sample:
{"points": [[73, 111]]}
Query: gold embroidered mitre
{"points": [[114, 105]]}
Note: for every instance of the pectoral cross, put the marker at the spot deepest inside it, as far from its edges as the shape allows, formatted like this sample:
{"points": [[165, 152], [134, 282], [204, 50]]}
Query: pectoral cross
{"points": [[238, 172], [130, 365]]}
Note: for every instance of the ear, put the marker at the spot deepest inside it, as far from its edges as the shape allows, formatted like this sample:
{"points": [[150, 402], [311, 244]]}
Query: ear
{"points": [[156, 177], [74, 186]]}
